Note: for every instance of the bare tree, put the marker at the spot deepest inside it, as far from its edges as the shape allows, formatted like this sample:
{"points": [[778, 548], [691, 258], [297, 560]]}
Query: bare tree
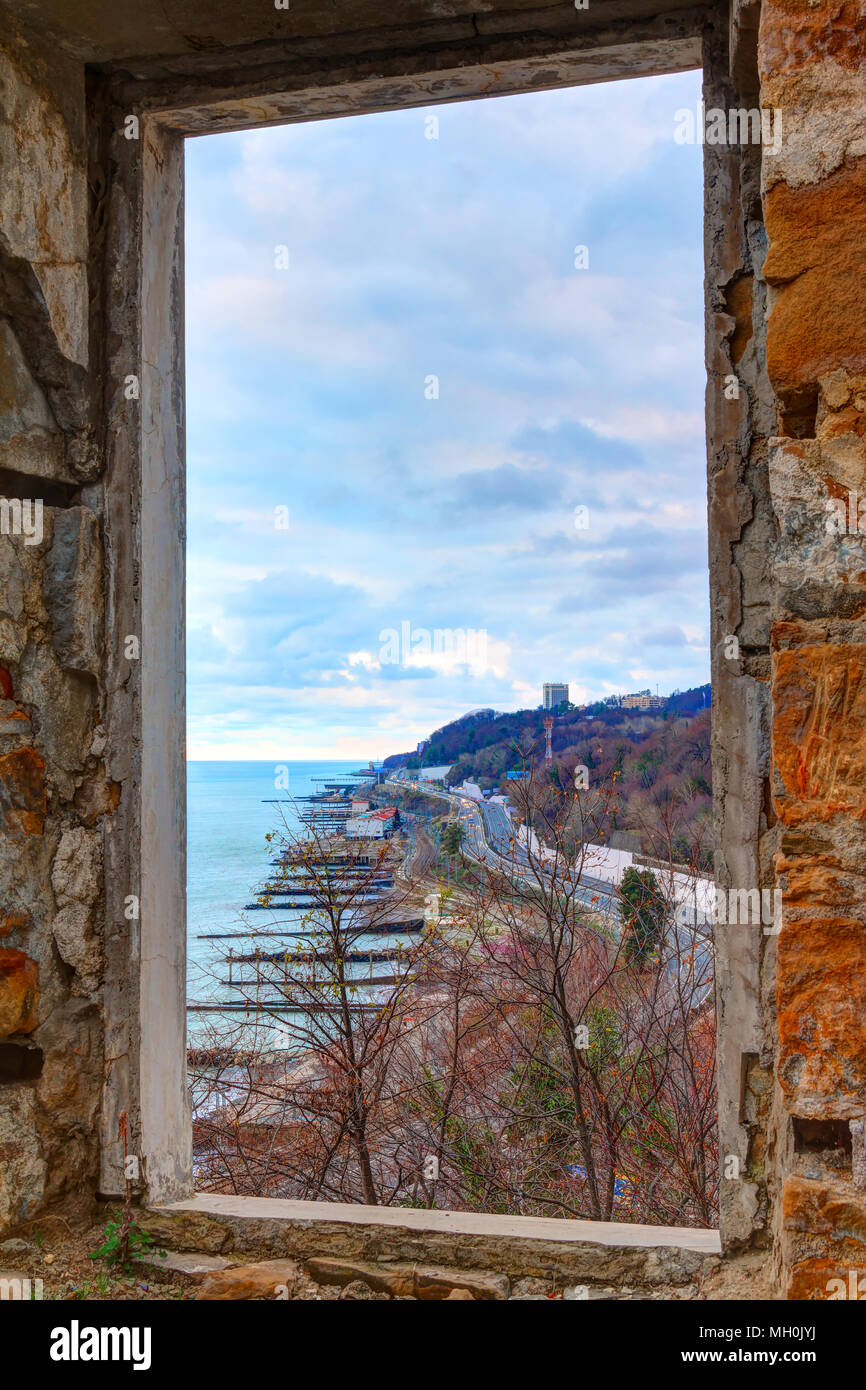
{"points": [[518, 1058]]}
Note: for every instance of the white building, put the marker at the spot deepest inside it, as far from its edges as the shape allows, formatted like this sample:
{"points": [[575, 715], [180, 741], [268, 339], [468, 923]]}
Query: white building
{"points": [[553, 693], [372, 825]]}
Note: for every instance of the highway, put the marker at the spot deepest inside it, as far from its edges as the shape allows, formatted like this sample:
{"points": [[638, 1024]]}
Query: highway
{"points": [[490, 839]]}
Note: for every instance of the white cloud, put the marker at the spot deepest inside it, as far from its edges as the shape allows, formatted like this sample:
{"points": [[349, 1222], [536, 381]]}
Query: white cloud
{"points": [[557, 387]]}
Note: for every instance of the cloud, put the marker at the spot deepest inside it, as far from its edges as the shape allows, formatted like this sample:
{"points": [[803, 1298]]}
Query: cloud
{"points": [[505, 488], [576, 443], [558, 388], [670, 636]]}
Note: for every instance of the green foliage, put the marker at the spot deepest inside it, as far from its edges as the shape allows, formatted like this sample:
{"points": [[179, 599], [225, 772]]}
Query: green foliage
{"points": [[605, 1042], [85, 1292], [644, 913], [470, 1145], [543, 1101], [452, 837], [124, 1241]]}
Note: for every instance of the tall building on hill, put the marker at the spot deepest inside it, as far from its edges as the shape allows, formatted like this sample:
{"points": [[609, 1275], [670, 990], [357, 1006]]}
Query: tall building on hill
{"points": [[553, 694]]}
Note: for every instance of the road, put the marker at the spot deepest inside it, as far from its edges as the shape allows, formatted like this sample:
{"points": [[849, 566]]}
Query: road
{"points": [[491, 839]]}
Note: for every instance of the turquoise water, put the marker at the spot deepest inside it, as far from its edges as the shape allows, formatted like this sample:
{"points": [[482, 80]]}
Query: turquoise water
{"points": [[228, 816]]}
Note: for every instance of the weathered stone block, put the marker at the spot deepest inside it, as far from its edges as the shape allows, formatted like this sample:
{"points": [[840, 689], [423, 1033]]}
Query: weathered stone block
{"points": [[43, 207], [12, 632], [68, 1087], [819, 565], [269, 1279], [812, 73], [826, 1281], [19, 992], [22, 1168], [823, 1235], [817, 252], [76, 876], [22, 793], [821, 988], [819, 732], [78, 945], [77, 869], [428, 1282], [72, 590], [795, 35], [65, 700], [194, 1268], [96, 798], [840, 425], [30, 441]]}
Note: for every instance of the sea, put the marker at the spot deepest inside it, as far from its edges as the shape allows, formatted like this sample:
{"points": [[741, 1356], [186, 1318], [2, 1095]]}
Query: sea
{"points": [[231, 807]]}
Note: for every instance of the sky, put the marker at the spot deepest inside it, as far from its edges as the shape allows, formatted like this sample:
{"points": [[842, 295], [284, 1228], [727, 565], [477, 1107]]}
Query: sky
{"points": [[439, 454]]}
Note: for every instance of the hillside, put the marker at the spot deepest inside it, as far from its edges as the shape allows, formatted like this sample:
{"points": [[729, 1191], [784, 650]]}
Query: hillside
{"points": [[661, 759]]}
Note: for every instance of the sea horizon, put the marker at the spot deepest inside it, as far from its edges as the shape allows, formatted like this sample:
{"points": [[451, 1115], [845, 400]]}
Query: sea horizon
{"points": [[232, 804]]}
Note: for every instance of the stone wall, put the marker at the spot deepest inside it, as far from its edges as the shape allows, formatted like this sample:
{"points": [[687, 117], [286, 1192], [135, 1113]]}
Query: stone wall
{"points": [[245, 1229], [54, 792], [812, 70]]}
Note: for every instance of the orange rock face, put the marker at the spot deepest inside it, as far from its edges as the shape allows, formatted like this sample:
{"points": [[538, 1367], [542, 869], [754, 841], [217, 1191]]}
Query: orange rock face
{"points": [[815, 1212], [97, 798], [272, 1279], [819, 731], [817, 255], [827, 1280], [795, 33], [22, 793], [19, 992], [821, 988]]}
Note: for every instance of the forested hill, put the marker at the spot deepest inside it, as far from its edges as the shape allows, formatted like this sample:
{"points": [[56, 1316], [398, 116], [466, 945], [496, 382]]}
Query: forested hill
{"points": [[660, 757], [486, 745]]}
